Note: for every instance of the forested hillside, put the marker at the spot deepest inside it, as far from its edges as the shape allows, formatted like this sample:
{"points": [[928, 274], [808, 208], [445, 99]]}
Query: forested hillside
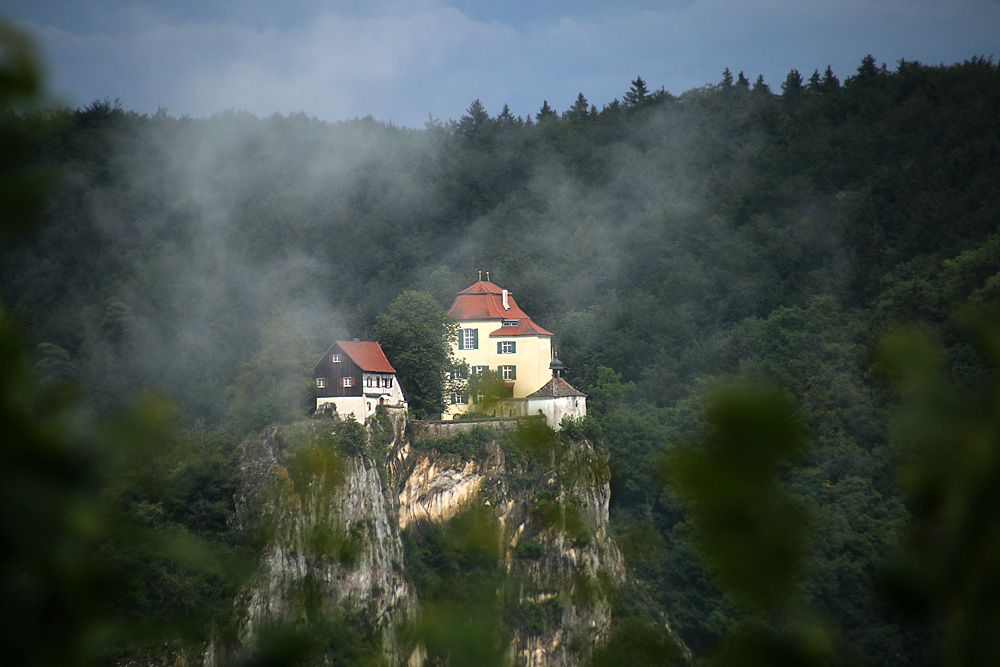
{"points": [[673, 243]]}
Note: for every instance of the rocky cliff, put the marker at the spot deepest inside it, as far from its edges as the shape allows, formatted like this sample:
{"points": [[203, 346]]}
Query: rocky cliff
{"points": [[508, 526]]}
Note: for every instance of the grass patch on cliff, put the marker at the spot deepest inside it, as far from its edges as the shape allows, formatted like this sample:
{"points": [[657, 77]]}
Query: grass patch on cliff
{"points": [[469, 445], [552, 511], [314, 452], [537, 618]]}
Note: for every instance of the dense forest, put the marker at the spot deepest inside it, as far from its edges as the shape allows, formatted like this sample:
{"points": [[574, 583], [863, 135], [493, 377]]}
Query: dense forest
{"points": [[677, 245]]}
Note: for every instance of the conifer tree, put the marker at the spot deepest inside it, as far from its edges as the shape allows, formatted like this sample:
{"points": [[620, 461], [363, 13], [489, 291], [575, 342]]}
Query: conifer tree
{"points": [[579, 110], [475, 118], [792, 86], [637, 94], [545, 113], [830, 81], [506, 118], [814, 82]]}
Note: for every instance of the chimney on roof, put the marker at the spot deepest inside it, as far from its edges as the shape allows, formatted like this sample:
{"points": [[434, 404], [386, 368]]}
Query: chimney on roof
{"points": [[480, 275], [487, 276], [357, 340], [506, 306]]}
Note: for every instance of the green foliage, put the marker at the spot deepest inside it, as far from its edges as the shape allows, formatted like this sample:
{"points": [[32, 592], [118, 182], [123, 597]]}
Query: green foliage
{"points": [[314, 455], [536, 618], [471, 444], [455, 568], [528, 549], [635, 641], [551, 510], [487, 390], [721, 233], [949, 440], [274, 385], [416, 335], [583, 428], [345, 637]]}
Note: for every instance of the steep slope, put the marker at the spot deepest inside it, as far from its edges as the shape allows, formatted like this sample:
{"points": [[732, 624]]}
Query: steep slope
{"points": [[333, 504]]}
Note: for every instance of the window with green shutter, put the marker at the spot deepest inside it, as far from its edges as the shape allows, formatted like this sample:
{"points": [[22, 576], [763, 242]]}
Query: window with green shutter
{"points": [[468, 339]]}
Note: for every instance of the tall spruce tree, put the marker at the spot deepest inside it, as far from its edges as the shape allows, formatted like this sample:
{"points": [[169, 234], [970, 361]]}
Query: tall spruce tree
{"points": [[637, 94]]}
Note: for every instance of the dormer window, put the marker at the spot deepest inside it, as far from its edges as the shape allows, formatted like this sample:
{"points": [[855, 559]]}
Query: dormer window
{"points": [[511, 323]]}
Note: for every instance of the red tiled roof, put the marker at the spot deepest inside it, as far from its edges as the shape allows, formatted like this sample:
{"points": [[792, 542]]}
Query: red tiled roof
{"points": [[524, 328], [556, 388], [368, 355], [484, 301]]}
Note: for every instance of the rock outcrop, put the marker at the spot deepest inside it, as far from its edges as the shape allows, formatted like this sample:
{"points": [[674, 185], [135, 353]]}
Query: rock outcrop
{"points": [[331, 501]]}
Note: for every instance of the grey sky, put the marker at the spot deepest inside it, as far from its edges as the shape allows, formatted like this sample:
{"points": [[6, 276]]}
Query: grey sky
{"points": [[401, 61]]}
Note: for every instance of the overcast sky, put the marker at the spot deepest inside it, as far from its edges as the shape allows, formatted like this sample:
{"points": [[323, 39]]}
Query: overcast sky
{"points": [[400, 61]]}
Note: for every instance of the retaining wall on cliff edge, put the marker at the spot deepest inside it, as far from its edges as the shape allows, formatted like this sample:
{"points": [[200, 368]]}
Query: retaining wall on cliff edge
{"points": [[441, 428]]}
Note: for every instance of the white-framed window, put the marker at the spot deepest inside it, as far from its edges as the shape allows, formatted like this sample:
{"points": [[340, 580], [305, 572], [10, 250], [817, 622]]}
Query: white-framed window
{"points": [[511, 323], [334, 358], [478, 370], [506, 347], [458, 374], [321, 383], [468, 339], [508, 372], [459, 399], [368, 380], [387, 382], [347, 382]]}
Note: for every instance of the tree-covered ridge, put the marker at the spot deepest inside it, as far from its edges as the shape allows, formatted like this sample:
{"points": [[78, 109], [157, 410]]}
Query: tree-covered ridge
{"points": [[673, 243]]}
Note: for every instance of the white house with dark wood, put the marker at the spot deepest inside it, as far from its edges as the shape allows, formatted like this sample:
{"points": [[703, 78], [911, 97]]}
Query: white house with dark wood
{"points": [[356, 376]]}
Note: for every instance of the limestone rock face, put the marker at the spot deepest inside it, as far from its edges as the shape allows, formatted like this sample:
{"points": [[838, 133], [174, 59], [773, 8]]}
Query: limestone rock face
{"points": [[334, 527], [575, 562], [331, 537]]}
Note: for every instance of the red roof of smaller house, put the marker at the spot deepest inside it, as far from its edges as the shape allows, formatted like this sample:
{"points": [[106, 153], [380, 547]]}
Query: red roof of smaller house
{"points": [[368, 355], [556, 388]]}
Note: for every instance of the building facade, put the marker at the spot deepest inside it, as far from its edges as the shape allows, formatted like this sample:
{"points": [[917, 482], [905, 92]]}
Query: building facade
{"points": [[496, 335], [357, 377]]}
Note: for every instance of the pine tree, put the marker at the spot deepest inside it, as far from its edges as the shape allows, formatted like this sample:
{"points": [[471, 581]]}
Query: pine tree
{"points": [[830, 81], [637, 94], [792, 87], [814, 82], [506, 118], [545, 113], [727, 79], [475, 118], [760, 87], [579, 110]]}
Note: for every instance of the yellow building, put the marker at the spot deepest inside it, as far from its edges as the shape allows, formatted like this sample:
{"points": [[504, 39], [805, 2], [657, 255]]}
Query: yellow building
{"points": [[496, 335]]}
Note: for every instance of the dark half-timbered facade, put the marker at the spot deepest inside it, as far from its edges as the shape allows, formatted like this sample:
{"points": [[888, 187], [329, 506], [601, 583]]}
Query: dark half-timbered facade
{"points": [[357, 377]]}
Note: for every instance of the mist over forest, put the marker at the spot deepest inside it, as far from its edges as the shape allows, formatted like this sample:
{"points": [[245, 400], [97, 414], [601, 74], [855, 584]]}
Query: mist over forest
{"points": [[674, 243]]}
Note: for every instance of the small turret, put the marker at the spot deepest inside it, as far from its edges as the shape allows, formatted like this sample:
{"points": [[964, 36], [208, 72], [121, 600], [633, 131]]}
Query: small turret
{"points": [[557, 367]]}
